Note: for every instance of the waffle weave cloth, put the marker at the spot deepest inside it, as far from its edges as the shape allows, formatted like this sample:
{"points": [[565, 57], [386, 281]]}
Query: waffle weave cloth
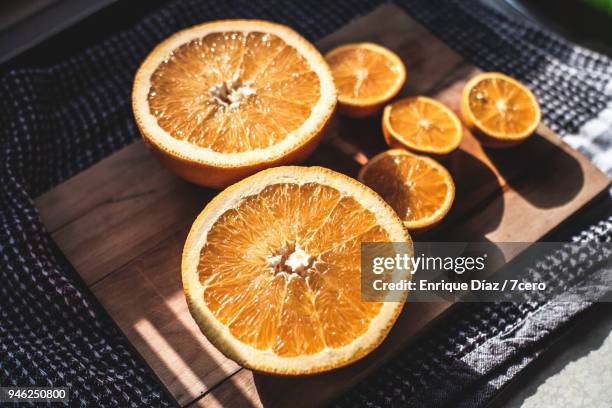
{"points": [[60, 118]]}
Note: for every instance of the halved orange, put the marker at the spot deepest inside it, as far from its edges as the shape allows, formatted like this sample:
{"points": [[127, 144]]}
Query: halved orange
{"points": [[223, 100], [499, 110], [367, 76], [271, 270], [420, 190], [422, 125]]}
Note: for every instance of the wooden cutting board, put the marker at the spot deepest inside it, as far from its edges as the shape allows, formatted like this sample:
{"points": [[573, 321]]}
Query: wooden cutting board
{"points": [[122, 224]]}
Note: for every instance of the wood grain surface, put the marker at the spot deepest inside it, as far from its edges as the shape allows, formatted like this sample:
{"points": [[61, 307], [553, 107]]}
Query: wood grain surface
{"points": [[122, 224]]}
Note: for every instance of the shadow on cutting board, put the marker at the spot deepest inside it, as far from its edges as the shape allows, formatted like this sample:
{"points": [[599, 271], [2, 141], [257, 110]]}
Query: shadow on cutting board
{"points": [[555, 178]]}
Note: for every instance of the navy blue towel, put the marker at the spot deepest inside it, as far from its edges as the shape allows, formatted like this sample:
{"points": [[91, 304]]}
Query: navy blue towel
{"points": [[62, 117]]}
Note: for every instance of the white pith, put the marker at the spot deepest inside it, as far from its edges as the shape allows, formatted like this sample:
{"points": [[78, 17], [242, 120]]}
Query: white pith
{"points": [[231, 93], [292, 260]]}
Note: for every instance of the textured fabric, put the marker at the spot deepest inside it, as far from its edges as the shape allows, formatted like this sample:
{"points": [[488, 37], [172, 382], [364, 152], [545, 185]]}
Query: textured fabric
{"points": [[57, 120], [478, 348]]}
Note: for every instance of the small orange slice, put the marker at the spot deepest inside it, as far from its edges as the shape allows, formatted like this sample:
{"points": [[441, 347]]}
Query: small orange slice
{"points": [[423, 125], [367, 76], [271, 270], [418, 188], [499, 110], [223, 100]]}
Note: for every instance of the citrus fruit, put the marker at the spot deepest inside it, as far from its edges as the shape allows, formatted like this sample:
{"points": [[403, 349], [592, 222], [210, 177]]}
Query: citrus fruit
{"points": [[367, 76], [420, 190], [271, 270], [222, 100], [423, 125], [499, 110]]}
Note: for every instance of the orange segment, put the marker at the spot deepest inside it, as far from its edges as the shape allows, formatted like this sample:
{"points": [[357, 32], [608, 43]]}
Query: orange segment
{"points": [[418, 188], [423, 125], [222, 100], [271, 270], [500, 110], [299, 330], [366, 75]]}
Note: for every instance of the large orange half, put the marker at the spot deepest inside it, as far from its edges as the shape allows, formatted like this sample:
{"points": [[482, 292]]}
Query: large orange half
{"points": [[271, 270], [223, 100]]}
